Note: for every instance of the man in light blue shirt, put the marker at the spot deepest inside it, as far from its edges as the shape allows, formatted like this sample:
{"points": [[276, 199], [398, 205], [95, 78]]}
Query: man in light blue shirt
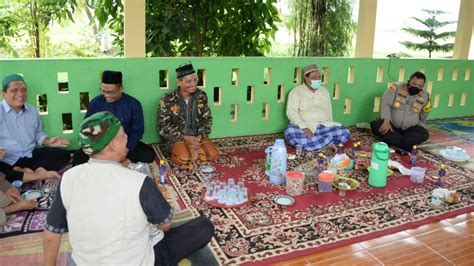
{"points": [[21, 135]]}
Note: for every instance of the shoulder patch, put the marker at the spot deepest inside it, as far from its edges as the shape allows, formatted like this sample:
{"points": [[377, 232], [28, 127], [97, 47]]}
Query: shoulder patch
{"points": [[427, 107], [392, 87]]}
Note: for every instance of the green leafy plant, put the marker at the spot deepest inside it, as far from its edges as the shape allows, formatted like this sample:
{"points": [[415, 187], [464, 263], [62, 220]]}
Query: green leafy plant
{"points": [[198, 28], [32, 18], [431, 34], [321, 27]]}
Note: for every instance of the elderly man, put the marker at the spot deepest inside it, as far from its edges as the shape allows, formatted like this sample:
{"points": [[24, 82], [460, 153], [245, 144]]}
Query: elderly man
{"points": [[184, 120], [116, 216], [21, 135], [404, 110], [128, 110], [310, 113]]}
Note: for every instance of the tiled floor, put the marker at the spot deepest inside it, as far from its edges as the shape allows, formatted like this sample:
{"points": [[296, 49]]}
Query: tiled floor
{"points": [[448, 242]]}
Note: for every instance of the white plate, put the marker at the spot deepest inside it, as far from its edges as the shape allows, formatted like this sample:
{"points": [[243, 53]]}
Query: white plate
{"points": [[207, 169], [32, 194], [284, 200], [457, 155]]}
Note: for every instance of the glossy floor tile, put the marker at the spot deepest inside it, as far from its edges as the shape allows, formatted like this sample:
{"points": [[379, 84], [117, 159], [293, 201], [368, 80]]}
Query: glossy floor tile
{"points": [[446, 242], [409, 251]]}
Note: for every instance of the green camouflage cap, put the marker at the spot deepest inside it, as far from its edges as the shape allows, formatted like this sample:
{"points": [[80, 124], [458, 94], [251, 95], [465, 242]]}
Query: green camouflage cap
{"points": [[97, 131]]}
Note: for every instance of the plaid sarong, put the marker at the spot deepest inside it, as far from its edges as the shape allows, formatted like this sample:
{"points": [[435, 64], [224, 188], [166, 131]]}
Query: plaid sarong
{"points": [[323, 136]]}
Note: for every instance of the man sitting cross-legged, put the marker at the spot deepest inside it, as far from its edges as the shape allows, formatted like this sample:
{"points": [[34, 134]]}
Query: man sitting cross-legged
{"points": [[21, 137]]}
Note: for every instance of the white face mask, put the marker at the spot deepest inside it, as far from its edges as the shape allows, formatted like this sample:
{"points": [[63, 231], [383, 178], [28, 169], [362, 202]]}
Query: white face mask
{"points": [[316, 84]]}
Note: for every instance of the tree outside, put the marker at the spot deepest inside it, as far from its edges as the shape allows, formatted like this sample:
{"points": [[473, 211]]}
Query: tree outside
{"points": [[432, 34]]}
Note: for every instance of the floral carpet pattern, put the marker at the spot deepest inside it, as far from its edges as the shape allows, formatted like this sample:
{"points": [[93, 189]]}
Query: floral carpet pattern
{"points": [[263, 231], [33, 220]]}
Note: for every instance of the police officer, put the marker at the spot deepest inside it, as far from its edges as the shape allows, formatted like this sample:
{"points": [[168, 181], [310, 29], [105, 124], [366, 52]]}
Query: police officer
{"points": [[405, 107]]}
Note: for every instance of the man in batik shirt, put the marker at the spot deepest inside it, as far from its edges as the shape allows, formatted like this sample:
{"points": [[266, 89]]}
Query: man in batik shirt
{"points": [[185, 120]]}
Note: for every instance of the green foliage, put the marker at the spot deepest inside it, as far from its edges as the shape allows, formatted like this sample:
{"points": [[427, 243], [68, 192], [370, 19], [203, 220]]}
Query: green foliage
{"points": [[31, 18], [430, 35], [199, 28], [321, 27]]}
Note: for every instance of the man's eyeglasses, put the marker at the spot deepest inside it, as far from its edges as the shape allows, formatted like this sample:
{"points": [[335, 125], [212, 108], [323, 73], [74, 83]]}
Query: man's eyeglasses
{"points": [[112, 92]]}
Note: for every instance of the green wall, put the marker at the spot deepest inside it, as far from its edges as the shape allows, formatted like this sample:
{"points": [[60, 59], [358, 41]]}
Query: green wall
{"points": [[141, 80]]}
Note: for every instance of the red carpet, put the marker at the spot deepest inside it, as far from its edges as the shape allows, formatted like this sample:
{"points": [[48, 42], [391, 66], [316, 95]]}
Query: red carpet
{"points": [[264, 232]]}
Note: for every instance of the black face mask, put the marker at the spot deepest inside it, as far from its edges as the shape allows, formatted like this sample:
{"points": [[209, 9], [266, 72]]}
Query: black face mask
{"points": [[413, 90]]}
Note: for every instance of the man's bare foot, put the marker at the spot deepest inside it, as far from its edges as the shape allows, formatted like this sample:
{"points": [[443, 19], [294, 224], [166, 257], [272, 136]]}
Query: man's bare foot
{"points": [[21, 206], [40, 174], [332, 149], [23, 170]]}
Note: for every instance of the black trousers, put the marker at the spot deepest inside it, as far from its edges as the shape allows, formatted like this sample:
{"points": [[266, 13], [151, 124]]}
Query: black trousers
{"points": [[183, 240], [52, 159], [141, 153], [404, 139]]}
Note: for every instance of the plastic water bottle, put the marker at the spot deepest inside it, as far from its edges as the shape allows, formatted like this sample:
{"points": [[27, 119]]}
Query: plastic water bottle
{"points": [[162, 172], [340, 149], [441, 175], [413, 156], [321, 162], [278, 163]]}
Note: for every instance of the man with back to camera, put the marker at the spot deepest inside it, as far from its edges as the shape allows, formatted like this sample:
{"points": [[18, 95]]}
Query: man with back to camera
{"points": [[26, 152], [128, 110], [114, 215], [404, 110], [309, 110]]}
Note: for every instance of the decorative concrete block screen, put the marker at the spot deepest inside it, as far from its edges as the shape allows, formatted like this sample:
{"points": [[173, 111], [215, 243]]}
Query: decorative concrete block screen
{"points": [[246, 95]]}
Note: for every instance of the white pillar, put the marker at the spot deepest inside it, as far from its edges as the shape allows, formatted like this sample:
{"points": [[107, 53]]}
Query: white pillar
{"points": [[462, 42], [366, 28], [134, 28]]}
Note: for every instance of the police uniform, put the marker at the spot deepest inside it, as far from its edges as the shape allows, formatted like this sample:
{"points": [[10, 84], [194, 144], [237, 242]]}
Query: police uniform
{"points": [[407, 114]]}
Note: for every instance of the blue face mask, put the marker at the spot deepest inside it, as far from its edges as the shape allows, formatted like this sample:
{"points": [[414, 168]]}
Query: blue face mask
{"points": [[316, 84]]}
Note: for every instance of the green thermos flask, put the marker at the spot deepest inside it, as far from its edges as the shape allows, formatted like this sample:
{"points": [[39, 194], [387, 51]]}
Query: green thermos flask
{"points": [[379, 164]]}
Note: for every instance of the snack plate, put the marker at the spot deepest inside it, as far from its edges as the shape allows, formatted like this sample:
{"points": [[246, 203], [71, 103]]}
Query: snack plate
{"points": [[460, 155], [350, 181], [215, 203], [207, 169], [32, 194], [284, 200]]}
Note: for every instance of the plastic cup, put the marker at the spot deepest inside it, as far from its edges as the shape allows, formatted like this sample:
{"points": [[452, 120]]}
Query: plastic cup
{"points": [[299, 149], [342, 189], [294, 183], [417, 174]]}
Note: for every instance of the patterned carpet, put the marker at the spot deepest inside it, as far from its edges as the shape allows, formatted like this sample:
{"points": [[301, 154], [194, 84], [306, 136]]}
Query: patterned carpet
{"points": [[457, 132], [263, 232]]}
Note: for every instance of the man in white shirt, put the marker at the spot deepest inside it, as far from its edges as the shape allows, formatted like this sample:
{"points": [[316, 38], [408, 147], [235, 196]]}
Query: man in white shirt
{"points": [[116, 216], [310, 113]]}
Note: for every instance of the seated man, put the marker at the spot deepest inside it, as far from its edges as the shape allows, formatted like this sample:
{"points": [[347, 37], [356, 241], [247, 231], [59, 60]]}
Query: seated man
{"points": [[310, 113], [405, 107], [184, 120], [11, 201], [128, 110], [21, 132], [114, 215]]}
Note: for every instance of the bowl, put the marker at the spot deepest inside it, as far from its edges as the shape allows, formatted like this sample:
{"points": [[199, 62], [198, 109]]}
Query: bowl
{"points": [[354, 184]]}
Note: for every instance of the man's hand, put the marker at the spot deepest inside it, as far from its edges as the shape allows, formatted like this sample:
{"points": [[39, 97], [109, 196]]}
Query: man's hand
{"points": [[385, 127], [308, 132], [193, 142], [56, 142], [13, 194]]}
